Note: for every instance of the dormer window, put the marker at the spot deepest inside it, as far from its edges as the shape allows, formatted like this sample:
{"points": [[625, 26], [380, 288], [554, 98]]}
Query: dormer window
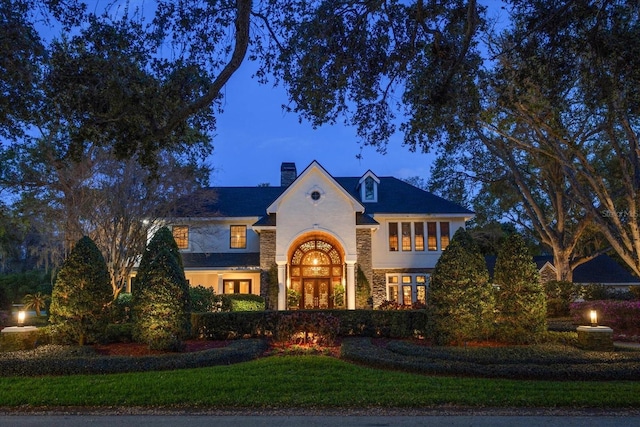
{"points": [[369, 188]]}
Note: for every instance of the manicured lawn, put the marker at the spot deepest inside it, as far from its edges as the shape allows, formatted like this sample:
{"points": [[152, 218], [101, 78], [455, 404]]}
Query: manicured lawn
{"points": [[307, 381]]}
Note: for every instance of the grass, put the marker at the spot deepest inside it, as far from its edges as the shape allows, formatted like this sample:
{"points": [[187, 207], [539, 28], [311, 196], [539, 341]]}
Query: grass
{"points": [[306, 381]]}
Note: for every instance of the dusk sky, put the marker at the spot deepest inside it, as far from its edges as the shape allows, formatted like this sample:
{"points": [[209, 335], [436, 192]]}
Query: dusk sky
{"points": [[254, 136]]}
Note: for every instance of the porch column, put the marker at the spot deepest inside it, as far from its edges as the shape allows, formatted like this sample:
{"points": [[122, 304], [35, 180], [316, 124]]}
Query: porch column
{"points": [[282, 286], [220, 289], [351, 285]]}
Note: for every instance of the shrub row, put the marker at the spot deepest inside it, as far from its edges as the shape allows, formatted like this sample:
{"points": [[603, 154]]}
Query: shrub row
{"points": [[549, 362], [621, 316], [67, 360], [372, 323]]}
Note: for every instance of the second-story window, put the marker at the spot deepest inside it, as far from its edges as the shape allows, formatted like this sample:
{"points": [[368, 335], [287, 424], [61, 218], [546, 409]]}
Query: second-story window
{"points": [[238, 236], [406, 236], [393, 236], [181, 236]]}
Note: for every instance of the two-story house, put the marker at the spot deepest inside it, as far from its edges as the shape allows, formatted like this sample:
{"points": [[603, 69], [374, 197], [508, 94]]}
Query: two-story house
{"points": [[318, 230]]}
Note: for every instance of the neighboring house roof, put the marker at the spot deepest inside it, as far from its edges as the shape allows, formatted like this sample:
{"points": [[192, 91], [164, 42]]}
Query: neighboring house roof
{"points": [[394, 197], [602, 269], [238, 260]]}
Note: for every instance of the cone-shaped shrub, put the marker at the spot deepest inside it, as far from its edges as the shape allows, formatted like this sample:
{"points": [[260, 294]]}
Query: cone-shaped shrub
{"points": [[161, 302], [461, 302], [81, 294], [521, 301]]}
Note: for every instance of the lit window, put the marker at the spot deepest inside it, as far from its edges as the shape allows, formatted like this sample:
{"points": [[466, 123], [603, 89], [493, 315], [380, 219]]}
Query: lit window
{"points": [[242, 286], [406, 236], [421, 294], [393, 279], [406, 295], [444, 235], [238, 236], [432, 238], [421, 279], [181, 236], [406, 279], [393, 293], [393, 236], [419, 232]]}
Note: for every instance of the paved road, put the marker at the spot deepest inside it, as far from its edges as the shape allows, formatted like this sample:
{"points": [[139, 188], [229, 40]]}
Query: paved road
{"points": [[312, 421]]}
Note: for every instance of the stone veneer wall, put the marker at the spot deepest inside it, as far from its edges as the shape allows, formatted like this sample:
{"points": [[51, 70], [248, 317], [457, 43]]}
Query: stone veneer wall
{"points": [[363, 252], [267, 258], [379, 283]]}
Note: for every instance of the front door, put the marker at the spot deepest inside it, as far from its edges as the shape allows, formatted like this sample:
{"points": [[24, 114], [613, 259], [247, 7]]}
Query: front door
{"points": [[316, 294]]}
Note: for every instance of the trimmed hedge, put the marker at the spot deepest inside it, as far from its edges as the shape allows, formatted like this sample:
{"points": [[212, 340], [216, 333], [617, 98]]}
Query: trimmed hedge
{"points": [[68, 360], [541, 362], [371, 323], [242, 302]]}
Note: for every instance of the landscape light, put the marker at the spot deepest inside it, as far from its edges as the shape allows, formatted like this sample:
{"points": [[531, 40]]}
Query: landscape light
{"points": [[594, 318], [21, 317]]}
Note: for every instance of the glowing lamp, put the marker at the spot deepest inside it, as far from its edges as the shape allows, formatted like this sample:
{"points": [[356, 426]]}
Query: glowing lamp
{"points": [[594, 318], [21, 317]]}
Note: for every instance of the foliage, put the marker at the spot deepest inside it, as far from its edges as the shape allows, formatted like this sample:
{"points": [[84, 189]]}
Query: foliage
{"points": [[81, 294], [242, 302], [272, 287], [293, 299], [520, 298], [53, 360], [598, 291], [121, 308], [538, 362], [303, 327], [560, 295], [621, 316], [37, 302], [460, 300], [118, 332], [202, 299], [363, 290], [161, 303], [162, 240], [17, 285], [372, 323]]}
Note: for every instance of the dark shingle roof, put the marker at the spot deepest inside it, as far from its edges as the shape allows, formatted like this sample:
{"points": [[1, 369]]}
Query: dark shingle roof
{"points": [[394, 196], [221, 260], [602, 269]]}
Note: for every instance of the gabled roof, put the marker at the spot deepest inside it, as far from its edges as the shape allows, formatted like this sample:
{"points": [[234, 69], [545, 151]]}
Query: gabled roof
{"points": [[315, 166], [602, 269], [394, 197]]}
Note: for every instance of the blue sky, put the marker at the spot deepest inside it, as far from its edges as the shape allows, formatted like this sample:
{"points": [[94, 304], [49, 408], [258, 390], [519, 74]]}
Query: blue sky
{"points": [[254, 136]]}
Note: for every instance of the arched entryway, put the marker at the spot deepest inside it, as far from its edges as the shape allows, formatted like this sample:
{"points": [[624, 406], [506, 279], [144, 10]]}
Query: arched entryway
{"points": [[316, 273]]}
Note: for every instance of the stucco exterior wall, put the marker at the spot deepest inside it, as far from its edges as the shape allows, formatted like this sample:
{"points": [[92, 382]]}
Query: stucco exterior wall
{"points": [[213, 236]]}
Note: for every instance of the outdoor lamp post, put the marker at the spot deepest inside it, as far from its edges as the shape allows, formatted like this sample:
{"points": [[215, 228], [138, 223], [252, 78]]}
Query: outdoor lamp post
{"points": [[594, 318], [21, 317]]}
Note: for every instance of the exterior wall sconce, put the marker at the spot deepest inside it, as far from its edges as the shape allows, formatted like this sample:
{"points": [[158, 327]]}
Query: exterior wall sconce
{"points": [[594, 318]]}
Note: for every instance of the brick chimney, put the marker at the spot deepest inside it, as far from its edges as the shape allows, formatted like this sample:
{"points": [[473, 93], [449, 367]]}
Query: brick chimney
{"points": [[288, 173]]}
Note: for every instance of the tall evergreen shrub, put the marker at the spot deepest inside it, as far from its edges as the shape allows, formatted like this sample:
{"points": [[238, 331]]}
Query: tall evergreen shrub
{"points": [[461, 301], [81, 294], [521, 300], [161, 299], [163, 315]]}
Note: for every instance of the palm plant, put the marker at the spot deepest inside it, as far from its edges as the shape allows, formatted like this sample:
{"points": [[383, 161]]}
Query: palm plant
{"points": [[36, 302]]}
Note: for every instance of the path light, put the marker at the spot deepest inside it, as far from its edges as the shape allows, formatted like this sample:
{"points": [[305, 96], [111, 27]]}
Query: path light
{"points": [[594, 318], [21, 317]]}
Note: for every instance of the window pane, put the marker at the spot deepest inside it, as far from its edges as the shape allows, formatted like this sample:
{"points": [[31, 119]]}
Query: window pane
{"points": [[393, 279], [406, 279], [393, 293], [419, 232], [406, 295], [421, 279], [238, 236], [432, 239], [368, 189], [229, 287], [406, 236], [421, 294], [393, 236], [245, 286], [181, 236], [444, 235]]}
